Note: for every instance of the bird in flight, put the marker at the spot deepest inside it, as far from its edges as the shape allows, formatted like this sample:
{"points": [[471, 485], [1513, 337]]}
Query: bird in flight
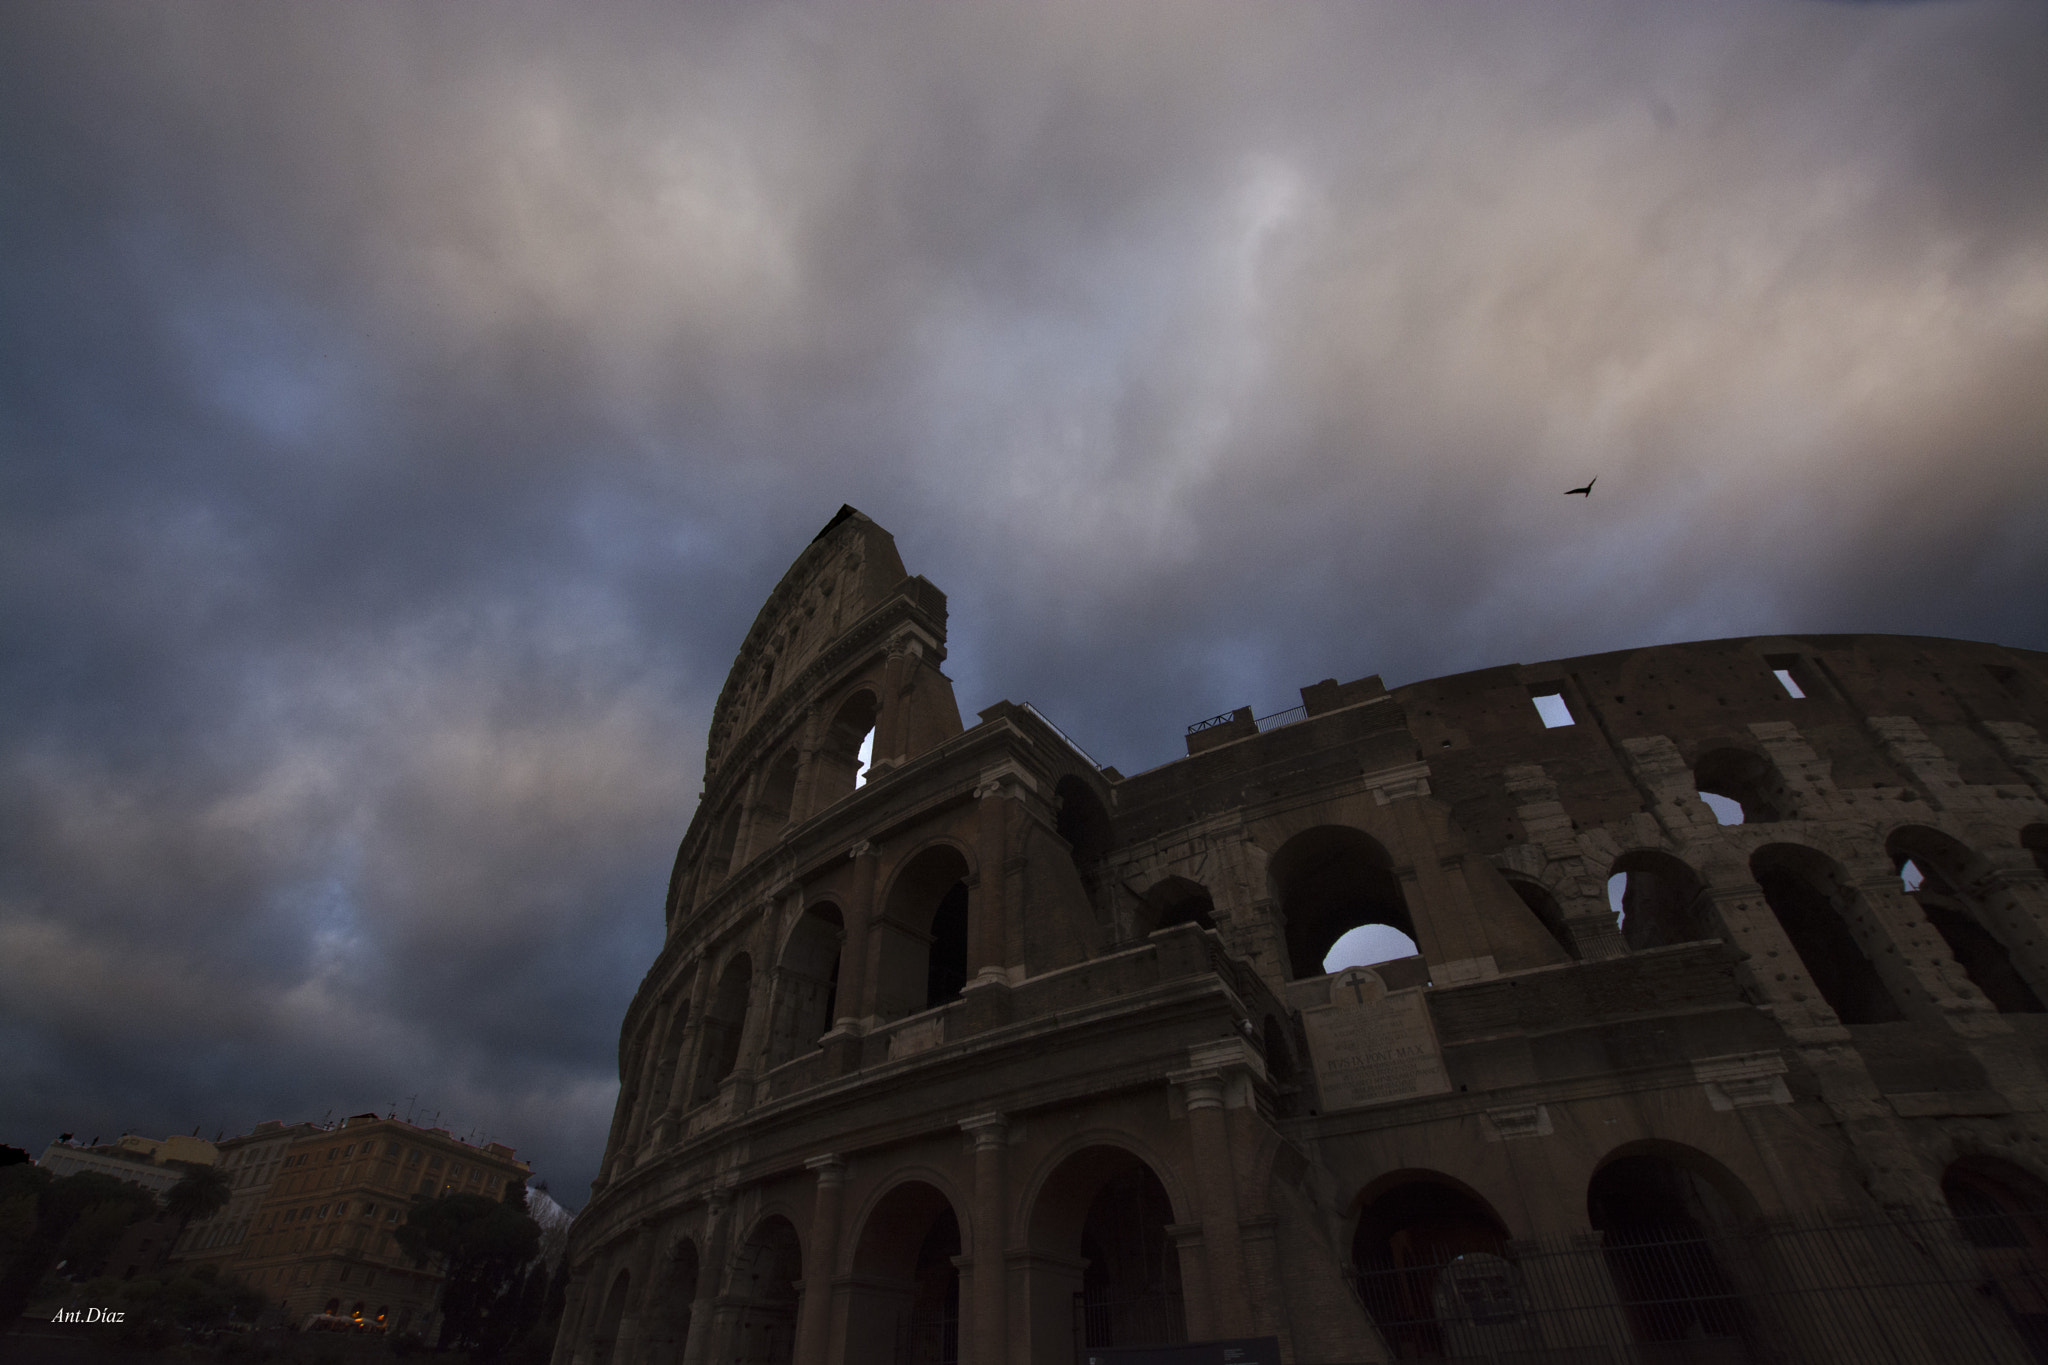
{"points": [[1587, 491]]}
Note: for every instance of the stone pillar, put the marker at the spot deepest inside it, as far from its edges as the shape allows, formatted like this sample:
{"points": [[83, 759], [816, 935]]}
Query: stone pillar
{"points": [[855, 979], [1204, 1088], [710, 1278], [647, 1104], [678, 1098], [987, 1333], [575, 1309], [813, 1328], [992, 820]]}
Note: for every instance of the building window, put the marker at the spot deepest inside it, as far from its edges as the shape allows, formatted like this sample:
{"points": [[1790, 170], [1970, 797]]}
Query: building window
{"points": [[1549, 700]]}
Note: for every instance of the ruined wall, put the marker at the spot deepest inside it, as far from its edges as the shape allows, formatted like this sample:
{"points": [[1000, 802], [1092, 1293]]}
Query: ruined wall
{"points": [[998, 1054]]}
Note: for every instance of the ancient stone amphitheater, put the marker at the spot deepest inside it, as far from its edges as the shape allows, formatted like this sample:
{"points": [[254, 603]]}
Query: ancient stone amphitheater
{"points": [[988, 1053]]}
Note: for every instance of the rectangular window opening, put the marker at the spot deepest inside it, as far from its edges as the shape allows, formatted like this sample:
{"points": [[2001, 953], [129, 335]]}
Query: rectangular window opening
{"points": [[1788, 682], [1550, 705]]}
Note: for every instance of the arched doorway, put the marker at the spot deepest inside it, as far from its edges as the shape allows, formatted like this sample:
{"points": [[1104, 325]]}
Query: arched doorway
{"points": [[724, 1025], [806, 984], [764, 1284], [1939, 867], [1662, 900], [904, 1307], [668, 1313], [606, 1337], [1665, 1229], [1544, 906], [1745, 781], [924, 934], [2003, 1214], [1176, 900], [1810, 897], [1428, 1255], [1329, 881], [1106, 1270]]}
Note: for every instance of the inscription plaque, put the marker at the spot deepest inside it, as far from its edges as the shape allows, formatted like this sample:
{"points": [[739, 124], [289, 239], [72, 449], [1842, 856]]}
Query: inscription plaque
{"points": [[1371, 1046]]}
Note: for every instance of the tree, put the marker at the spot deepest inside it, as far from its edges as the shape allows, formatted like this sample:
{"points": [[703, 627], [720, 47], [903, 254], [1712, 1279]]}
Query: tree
{"points": [[484, 1248], [203, 1192], [78, 1217]]}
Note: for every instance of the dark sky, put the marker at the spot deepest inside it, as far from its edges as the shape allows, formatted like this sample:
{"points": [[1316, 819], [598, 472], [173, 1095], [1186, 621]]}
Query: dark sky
{"points": [[404, 409]]}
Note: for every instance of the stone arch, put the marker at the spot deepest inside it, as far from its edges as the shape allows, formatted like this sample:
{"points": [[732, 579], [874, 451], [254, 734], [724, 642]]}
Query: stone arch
{"points": [[1748, 779], [1667, 1215], [763, 1290], [905, 1304], [1082, 822], [837, 761], [1663, 902], [1544, 906], [1175, 900], [605, 1337], [673, 1289], [773, 805], [806, 983], [1327, 881], [724, 1025], [1100, 1227], [1419, 1234], [1277, 1049], [1948, 871], [1813, 900], [725, 839], [924, 932]]}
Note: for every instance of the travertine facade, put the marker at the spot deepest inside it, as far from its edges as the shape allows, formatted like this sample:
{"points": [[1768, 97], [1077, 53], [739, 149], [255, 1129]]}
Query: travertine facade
{"points": [[1001, 1051]]}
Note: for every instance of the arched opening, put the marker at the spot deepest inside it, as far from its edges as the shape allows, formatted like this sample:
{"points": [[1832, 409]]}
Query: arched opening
{"points": [[1664, 1229], [807, 984], [1082, 822], [668, 1325], [764, 1285], [718, 862], [778, 789], [1937, 867], [724, 1023], [842, 759], [1662, 901], [1746, 781], [924, 934], [1544, 906], [1329, 881], [1176, 900], [1812, 900], [904, 1309], [606, 1337], [1099, 1231], [1425, 1246], [1279, 1053], [2003, 1215]]}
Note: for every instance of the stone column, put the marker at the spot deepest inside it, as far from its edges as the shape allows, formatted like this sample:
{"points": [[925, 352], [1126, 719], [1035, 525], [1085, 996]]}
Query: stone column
{"points": [[710, 1278], [987, 1334], [678, 1098], [992, 819], [575, 1308], [813, 1328], [1203, 1088]]}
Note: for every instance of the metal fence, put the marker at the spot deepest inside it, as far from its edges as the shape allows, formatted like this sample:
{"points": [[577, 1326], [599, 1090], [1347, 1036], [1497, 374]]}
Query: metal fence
{"points": [[1142, 1320], [931, 1338], [1916, 1289]]}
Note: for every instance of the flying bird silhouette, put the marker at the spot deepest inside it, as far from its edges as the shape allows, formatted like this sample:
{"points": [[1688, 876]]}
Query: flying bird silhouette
{"points": [[1587, 491]]}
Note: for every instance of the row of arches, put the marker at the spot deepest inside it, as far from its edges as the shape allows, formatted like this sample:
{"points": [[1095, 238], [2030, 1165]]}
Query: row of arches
{"points": [[791, 790], [1100, 1237], [1682, 1258], [1434, 1265]]}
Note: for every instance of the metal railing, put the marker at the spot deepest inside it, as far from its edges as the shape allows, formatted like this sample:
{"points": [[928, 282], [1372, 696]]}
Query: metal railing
{"points": [[1158, 1319], [1922, 1288]]}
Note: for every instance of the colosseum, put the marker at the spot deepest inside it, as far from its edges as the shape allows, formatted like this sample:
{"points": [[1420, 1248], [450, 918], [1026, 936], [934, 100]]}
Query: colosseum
{"points": [[1712, 1030]]}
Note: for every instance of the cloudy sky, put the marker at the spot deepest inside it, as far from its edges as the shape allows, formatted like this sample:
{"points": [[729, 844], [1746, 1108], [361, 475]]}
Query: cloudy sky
{"points": [[405, 408]]}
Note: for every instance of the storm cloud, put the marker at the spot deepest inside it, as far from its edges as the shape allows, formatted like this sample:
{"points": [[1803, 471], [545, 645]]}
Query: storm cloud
{"points": [[405, 409]]}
